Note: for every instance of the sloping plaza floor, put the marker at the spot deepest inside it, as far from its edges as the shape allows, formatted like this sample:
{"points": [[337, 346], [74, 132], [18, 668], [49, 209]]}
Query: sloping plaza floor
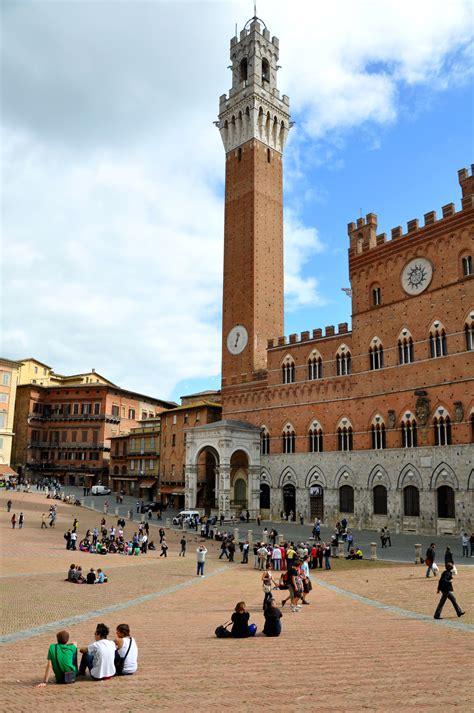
{"points": [[366, 642]]}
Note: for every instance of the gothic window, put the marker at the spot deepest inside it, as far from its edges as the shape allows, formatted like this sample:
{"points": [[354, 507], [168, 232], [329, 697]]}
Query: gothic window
{"points": [[438, 344], [243, 70], [315, 366], [376, 296], [265, 70], [378, 434], [406, 353], [408, 431], [469, 332], [344, 436], [289, 439], [411, 501], [376, 354], [315, 438], [442, 429], [467, 266], [346, 498], [343, 361], [239, 155], [379, 495], [288, 371], [264, 442]]}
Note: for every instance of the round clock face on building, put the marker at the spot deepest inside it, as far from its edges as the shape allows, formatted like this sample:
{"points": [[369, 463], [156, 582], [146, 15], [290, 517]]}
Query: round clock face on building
{"points": [[416, 276], [237, 339]]}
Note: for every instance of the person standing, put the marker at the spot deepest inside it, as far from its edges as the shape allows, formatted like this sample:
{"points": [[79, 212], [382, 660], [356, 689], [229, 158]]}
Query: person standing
{"points": [[231, 550], [183, 543], [382, 537], [448, 556], [73, 539], [471, 542], [43, 521], [164, 549], [9, 505], [161, 533], [445, 588], [465, 544], [247, 516], [245, 552], [388, 537], [13, 521], [21, 520], [276, 558], [223, 550], [430, 559], [326, 550], [350, 539], [201, 553]]}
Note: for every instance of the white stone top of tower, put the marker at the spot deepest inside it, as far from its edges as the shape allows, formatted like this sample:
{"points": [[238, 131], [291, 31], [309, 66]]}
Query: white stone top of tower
{"points": [[254, 109]]}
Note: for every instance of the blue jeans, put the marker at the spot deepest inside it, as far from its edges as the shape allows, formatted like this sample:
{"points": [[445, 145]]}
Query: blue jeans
{"points": [[200, 568], [327, 563]]}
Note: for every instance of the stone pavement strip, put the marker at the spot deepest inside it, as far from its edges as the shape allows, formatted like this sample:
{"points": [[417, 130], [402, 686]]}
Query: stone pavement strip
{"points": [[367, 642]]}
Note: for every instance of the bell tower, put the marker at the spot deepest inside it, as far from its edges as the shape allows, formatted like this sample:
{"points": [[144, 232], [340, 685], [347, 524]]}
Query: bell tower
{"points": [[254, 121]]}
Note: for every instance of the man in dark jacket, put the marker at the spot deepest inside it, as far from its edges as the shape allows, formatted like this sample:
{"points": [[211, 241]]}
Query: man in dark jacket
{"points": [[445, 587], [430, 558]]}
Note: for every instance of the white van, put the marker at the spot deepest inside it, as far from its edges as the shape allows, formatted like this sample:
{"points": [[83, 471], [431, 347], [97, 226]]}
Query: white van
{"points": [[186, 515], [100, 490]]}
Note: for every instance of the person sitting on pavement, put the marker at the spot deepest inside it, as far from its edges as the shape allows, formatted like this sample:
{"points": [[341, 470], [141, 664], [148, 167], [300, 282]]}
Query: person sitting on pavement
{"points": [[62, 658], [90, 579], [272, 616], [99, 656], [126, 656], [72, 573], [240, 622], [101, 577]]}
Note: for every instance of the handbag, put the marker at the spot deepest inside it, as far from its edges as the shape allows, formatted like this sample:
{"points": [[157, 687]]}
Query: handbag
{"points": [[119, 660], [221, 631], [68, 676]]}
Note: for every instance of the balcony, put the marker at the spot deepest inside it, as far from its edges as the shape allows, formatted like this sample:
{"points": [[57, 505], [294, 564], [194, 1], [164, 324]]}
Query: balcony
{"points": [[143, 452], [68, 445], [56, 417]]}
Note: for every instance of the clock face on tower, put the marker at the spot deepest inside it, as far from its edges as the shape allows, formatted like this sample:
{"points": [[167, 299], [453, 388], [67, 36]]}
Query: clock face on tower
{"points": [[416, 276], [237, 339]]}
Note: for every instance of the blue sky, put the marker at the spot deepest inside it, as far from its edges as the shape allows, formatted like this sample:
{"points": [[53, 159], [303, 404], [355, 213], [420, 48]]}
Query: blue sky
{"points": [[112, 211]]}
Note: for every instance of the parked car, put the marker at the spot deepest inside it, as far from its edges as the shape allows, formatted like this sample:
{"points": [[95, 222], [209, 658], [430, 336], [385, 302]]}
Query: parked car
{"points": [[100, 490], [153, 506], [186, 515]]}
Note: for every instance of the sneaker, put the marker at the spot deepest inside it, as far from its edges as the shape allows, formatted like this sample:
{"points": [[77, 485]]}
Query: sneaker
{"points": [[298, 606], [203, 575], [306, 602]]}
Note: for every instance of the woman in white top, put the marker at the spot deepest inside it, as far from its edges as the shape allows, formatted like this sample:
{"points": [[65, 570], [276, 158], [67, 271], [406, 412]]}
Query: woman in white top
{"points": [[127, 649]]}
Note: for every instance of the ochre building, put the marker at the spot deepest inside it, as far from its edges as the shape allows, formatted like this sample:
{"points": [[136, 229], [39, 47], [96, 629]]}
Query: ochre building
{"points": [[375, 422]]}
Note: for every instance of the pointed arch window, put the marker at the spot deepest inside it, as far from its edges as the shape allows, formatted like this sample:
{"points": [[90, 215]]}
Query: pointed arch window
{"points": [[438, 343], [265, 70], [315, 438], [343, 361], [469, 332], [346, 498], [406, 354], [411, 501], [442, 428], [467, 269], [243, 70], [264, 442], [378, 434], [408, 430], [344, 436], [288, 371], [289, 439], [379, 495], [376, 354], [315, 366]]}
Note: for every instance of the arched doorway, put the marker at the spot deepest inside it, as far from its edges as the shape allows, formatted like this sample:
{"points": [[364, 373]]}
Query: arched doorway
{"points": [[207, 467], [316, 502], [289, 500], [239, 468], [264, 496], [446, 507]]}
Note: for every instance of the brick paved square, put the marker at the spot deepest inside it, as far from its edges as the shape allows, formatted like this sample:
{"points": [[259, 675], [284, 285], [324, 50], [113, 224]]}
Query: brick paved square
{"points": [[337, 654]]}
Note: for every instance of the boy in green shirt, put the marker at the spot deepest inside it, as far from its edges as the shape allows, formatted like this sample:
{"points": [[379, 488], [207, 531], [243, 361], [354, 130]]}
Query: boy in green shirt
{"points": [[62, 657]]}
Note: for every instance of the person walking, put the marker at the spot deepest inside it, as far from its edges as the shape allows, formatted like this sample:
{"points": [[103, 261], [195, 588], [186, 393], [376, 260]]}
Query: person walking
{"points": [[448, 556], [430, 560], [183, 543], [21, 520], [164, 549], [43, 521], [13, 521], [201, 553], [445, 588], [9, 505], [161, 533], [231, 550], [465, 545], [223, 550]]}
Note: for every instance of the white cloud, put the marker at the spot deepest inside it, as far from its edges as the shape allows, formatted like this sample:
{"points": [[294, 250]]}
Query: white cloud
{"points": [[112, 170]]}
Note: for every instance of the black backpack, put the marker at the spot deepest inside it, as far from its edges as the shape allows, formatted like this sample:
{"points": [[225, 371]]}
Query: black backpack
{"points": [[221, 632]]}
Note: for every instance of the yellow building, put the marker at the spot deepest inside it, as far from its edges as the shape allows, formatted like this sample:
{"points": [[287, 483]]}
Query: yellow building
{"points": [[8, 383], [33, 371]]}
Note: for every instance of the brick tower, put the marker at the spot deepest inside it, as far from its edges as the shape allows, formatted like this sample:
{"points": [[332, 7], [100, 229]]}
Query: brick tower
{"points": [[254, 122]]}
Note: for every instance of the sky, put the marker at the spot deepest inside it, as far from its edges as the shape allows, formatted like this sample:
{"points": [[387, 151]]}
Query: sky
{"points": [[113, 172]]}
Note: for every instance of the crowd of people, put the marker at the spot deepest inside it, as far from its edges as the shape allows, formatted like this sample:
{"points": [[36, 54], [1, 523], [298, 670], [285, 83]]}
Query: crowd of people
{"points": [[103, 658], [105, 540]]}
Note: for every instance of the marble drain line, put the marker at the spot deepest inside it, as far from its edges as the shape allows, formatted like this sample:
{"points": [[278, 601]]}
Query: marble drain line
{"points": [[393, 609], [79, 618]]}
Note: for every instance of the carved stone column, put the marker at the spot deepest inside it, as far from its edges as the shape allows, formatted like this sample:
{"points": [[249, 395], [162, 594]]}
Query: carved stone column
{"points": [[254, 490], [224, 490], [191, 486]]}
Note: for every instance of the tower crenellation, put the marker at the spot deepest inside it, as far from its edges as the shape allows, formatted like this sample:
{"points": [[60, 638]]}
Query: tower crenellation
{"points": [[254, 109]]}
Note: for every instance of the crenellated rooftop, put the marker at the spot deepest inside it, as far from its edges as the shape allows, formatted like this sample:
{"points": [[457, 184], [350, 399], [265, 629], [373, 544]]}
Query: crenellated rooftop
{"points": [[363, 233], [329, 331]]}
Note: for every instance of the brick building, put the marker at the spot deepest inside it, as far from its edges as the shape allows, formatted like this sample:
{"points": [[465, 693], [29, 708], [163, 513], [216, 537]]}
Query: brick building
{"points": [[63, 430], [375, 423], [135, 461]]}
